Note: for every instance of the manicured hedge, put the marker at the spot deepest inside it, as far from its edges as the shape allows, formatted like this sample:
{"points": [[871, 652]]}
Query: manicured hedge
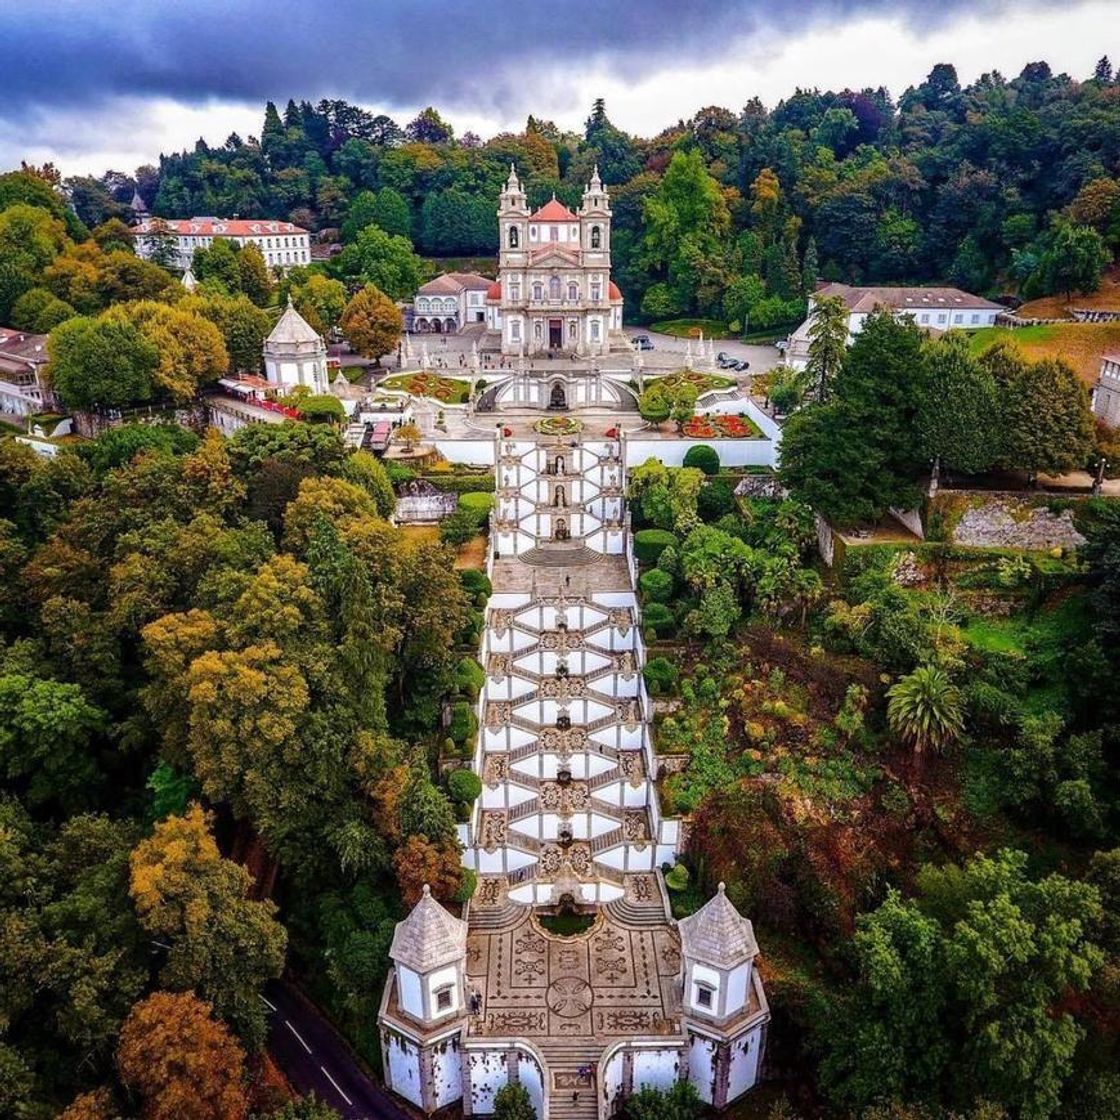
{"points": [[656, 585], [464, 785], [661, 675], [659, 617], [470, 677], [650, 543], [464, 723], [703, 457], [462, 483], [476, 582], [476, 501]]}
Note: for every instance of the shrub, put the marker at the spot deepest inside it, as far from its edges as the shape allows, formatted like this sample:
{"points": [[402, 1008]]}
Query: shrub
{"points": [[714, 501], [397, 472], [656, 585], [467, 885], [459, 527], [650, 543], [661, 675], [470, 677], [702, 457], [463, 723], [476, 582], [322, 409], [659, 617], [676, 878], [449, 747], [464, 785]]}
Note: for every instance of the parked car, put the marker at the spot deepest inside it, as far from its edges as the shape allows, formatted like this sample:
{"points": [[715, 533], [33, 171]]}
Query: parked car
{"points": [[642, 342], [725, 360], [740, 366]]}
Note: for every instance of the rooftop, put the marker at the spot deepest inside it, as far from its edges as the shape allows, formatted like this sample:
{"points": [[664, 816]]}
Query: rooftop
{"points": [[429, 937], [904, 299], [718, 934], [452, 283], [554, 211], [220, 227], [292, 327], [22, 346]]}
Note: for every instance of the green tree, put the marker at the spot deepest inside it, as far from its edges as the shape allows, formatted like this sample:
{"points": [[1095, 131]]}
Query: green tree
{"points": [[828, 341], [321, 301], [101, 364], [242, 325], [384, 260], [511, 1102], [254, 280], [219, 264], [957, 402], [30, 239], [926, 710], [680, 1102], [1075, 260]]}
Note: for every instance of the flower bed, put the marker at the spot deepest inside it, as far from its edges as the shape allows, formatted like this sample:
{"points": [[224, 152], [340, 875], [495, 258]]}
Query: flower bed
{"points": [[448, 390], [692, 379], [558, 426], [721, 427]]}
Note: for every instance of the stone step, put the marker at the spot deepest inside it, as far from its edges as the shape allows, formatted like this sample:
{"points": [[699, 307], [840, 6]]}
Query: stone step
{"points": [[543, 556]]}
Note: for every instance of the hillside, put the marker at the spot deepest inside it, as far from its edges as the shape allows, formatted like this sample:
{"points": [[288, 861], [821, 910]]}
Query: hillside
{"points": [[1080, 344], [1106, 298]]}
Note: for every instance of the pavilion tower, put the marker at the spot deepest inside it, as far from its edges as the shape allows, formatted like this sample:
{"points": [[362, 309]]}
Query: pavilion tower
{"points": [[723, 1002]]}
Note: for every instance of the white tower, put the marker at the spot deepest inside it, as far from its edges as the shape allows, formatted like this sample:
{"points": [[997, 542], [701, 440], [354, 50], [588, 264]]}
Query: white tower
{"points": [[424, 1009], [295, 355], [595, 223], [513, 218], [724, 1005]]}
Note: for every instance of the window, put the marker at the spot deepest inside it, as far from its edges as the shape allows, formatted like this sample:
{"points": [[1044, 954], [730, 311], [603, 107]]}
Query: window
{"points": [[975, 317], [554, 287], [594, 330], [925, 316], [443, 999], [958, 318], [942, 317], [538, 290], [573, 291], [596, 292], [596, 237], [513, 238], [515, 330], [532, 233], [703, 996], [554, 233], [514, 290]]}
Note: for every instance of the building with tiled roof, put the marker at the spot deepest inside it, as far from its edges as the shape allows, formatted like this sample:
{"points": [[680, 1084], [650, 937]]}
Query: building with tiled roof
{"points": [[934, 309], [282, 244], [449, 302], [295, 354], [23, 389]]}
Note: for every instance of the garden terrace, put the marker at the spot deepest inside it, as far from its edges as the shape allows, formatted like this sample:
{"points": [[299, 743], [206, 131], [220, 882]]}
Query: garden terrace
{"points": [[446, 390]]}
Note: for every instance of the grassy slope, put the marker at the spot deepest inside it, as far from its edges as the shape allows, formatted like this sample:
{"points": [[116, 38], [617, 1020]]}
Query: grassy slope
{"points": [[1106, 298], [1079, 344]]}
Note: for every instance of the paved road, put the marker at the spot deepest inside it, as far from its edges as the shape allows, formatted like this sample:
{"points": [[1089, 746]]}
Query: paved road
{"points": [[313, 1057], [761, 357]]}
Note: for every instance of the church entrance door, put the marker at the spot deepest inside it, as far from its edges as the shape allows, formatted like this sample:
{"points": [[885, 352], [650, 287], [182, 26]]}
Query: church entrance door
{"points": [[558, 398], [555, 334]]}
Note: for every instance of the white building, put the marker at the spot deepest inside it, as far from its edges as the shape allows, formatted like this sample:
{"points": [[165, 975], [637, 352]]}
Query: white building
{"points": [[554, 289], [933, 309], [282, 244], [450, 302], [1106, 392], [295, 355], [23, 356]]}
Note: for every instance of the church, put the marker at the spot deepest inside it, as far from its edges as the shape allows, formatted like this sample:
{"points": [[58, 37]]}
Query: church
{"points": [[554, 292]]}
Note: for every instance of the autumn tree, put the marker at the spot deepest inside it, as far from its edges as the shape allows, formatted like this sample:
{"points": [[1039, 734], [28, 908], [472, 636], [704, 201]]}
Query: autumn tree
{"points": [[419, 861], [181, 1062], [372, 323], [222, 944]]}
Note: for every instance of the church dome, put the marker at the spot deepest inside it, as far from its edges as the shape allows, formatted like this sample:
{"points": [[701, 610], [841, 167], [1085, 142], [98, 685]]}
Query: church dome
{"points": [[292, 328], [494, 292]]}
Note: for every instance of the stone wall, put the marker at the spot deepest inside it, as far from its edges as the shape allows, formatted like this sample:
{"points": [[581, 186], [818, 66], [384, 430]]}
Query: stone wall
{"points": [[1011, 521]]}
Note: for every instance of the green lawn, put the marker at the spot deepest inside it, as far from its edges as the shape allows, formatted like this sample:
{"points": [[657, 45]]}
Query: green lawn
{"points": [[690, 328]]}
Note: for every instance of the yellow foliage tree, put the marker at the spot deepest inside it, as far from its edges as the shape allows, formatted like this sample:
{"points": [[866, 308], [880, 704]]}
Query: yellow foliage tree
{"points": [[372, 323]]}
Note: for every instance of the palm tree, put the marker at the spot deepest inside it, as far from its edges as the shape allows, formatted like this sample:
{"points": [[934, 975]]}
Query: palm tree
{"points": [[925, 709]]}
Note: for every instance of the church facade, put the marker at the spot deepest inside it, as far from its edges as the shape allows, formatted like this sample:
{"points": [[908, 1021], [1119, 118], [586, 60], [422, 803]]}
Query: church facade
{"points": [[554, 291]]}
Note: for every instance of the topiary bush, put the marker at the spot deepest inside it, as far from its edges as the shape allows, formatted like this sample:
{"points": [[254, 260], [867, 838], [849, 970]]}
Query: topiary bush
{"points": [[659, 617], [702, 457], [676, 878], [464, 785], [464, 723], [661, 675], [476, 502], [656, 585], [650, 543], [470, 677]]}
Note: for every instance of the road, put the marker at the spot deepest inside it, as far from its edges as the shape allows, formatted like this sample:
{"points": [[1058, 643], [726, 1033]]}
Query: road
{"points": [[312, 1056], [761, 357]]}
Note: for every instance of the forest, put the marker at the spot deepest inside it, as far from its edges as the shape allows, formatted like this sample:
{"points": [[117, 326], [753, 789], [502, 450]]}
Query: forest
{"points": [[1004, 186]]}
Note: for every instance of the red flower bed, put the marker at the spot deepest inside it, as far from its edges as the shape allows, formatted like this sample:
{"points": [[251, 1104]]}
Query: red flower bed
{"points": [[721, 427]]}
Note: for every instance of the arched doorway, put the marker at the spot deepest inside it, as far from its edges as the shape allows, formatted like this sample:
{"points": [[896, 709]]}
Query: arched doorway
{"points": [[557, 398], [437, 326], [449, 326]]}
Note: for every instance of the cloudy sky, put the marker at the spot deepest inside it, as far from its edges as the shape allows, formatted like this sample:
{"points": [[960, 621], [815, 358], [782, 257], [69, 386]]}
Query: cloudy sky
{"points": [[92, 85]]}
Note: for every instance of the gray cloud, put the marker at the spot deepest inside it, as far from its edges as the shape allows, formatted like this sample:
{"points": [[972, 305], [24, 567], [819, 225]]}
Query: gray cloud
{"points": [[485, 57]]}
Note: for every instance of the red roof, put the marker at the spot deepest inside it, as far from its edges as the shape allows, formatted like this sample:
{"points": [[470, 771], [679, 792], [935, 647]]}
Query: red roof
{"points": [[495, 290], [554, 211], [221, 227], [613, 291]]}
